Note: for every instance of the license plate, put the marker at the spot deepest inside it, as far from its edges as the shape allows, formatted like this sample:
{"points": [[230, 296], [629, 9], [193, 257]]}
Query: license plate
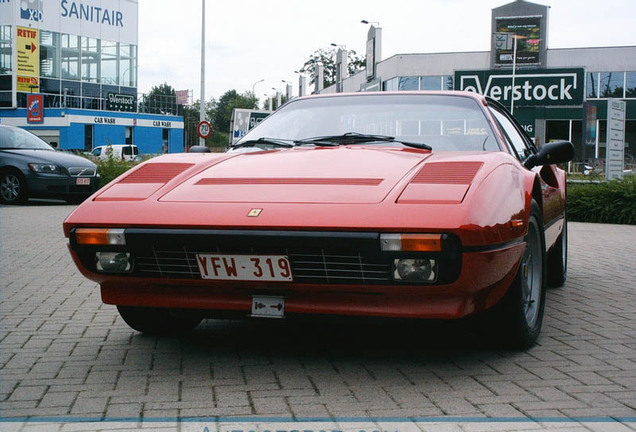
{"points": [[245, 267], [82, 181], [269, 307]]}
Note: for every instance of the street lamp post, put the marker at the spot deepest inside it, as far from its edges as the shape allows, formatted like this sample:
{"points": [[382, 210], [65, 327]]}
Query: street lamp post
{"points": [[514, 71], [202, 103], [254, 85]]}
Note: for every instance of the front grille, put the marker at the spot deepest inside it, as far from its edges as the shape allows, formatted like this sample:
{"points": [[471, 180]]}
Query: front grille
{"points": [[318, 267], [82, 171], [353, 258]]}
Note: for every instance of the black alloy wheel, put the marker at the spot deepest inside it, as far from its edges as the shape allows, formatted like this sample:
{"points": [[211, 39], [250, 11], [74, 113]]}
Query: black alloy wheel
{"points": [[13, 188]]}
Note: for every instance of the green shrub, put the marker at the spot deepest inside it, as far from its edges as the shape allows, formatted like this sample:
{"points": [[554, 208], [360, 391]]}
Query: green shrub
{"points": [[605, 202], [111, 168]]}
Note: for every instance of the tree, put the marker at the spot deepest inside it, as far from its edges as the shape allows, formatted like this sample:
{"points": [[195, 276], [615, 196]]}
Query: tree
{"points": [[160, 99], [222, 110], [327, 57]]}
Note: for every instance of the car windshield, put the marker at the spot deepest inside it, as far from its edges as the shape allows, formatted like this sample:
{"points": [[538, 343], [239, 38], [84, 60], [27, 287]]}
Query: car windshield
{"points": [[443, 122], [16, 138]]}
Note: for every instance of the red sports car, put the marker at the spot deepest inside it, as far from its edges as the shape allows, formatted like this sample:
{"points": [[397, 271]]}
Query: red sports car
{"points": [[410, 204]]}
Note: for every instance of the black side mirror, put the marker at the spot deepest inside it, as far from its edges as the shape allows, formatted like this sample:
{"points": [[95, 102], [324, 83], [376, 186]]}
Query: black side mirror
{"points": [[551, 153], [200, 149]]}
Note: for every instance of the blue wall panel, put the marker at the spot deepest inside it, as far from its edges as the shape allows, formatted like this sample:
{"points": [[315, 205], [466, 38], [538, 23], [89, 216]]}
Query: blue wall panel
{"points": [[111, 134], [148, 139], [176, 140], [72, 137]]}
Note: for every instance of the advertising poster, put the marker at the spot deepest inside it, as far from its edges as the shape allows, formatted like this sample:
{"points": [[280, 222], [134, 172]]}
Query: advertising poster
{"points": [[528, 32], [28, 62], [35, 108]]}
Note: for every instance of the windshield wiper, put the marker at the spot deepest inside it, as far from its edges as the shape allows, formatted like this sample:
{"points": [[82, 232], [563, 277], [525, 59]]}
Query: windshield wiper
{"points": [[263, 140], [357, 138]]}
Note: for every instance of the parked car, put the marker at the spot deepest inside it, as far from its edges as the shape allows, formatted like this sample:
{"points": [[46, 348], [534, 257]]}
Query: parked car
{"points": [[409, 204], [30, 168], [126, 152]]}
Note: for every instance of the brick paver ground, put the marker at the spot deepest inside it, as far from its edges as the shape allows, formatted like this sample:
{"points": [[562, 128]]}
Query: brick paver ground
{"points": [[65, 355]]}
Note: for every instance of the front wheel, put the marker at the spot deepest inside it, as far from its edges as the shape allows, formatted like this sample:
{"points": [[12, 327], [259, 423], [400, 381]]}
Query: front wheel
{"points": [[159, 321], [519, 316], [13, 188]]}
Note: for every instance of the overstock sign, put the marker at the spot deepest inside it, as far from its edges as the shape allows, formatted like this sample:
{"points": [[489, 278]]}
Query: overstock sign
{"points": [[531, 87]]}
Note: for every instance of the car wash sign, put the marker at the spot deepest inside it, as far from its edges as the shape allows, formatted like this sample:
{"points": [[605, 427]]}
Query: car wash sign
{"points": [[536, 87]]}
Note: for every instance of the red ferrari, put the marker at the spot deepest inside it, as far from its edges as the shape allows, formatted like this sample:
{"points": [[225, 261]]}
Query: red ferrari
{"points": [[410, 204]]}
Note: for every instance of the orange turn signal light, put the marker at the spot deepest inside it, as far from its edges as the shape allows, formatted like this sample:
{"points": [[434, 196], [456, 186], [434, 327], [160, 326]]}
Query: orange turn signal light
{"points": [[100, 236], [411, 242], [422, 242]]}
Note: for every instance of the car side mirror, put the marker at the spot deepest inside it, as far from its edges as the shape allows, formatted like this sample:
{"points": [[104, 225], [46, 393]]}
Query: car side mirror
{"points": [[200, 149], [551, 153]]}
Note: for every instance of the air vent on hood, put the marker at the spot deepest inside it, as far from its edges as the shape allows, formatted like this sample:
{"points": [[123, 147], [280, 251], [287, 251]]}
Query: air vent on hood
{"points": [[156, 173], [460, 173], [291, 181]]}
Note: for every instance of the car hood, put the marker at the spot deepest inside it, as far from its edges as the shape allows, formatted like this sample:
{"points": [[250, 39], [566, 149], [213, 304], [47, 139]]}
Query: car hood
{"points": [[48, 156], [315, 175]]}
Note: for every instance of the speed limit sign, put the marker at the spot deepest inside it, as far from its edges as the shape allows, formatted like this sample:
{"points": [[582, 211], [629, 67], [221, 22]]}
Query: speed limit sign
{"points": [[204, 129]]}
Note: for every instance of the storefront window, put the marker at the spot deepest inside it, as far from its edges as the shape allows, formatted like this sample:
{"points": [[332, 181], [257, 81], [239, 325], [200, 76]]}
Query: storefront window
{"points": [[592, 85], [109, 63], [449, 82], [5, 50], [431, 83], [71, 94], [90, 59], [127, 65], [630, 144], [49, 54], [630, 84], [70, 56], [611, 85], [408, 83], [390, 85]]}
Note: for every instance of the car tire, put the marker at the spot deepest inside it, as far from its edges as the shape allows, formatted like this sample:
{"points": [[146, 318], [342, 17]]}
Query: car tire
{"points": [[519, 315], [558, 259], [13, 188], [159, 321]]}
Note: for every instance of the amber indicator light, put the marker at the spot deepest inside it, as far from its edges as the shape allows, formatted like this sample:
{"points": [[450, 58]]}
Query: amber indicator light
{"points": [[422, 242], [91, 236]]}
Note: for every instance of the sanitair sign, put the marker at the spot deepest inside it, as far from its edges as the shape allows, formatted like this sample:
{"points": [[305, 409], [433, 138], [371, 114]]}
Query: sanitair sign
{"points": [[536, 87]]}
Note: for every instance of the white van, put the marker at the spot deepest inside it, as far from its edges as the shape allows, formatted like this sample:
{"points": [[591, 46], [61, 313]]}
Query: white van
{"points": [[125, 152]]}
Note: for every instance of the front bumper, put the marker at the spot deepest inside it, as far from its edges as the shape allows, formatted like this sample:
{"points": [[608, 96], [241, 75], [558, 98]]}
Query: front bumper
{"points": [[56, 185], [165, 276]]}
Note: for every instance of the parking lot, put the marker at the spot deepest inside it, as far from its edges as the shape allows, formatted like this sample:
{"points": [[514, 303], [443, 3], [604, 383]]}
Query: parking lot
{"points": [[66, 358]]}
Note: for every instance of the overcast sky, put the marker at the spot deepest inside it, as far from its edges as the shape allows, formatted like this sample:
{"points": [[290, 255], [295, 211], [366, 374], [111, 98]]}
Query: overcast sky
{"points": [[250, 40]]}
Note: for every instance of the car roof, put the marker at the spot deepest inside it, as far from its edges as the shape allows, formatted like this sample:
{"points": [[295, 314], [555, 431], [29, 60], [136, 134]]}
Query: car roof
{"points": [[450, 93]]}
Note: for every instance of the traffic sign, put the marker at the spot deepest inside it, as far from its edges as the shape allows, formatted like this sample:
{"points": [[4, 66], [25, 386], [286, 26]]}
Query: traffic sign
{"points": [[204, 129]]}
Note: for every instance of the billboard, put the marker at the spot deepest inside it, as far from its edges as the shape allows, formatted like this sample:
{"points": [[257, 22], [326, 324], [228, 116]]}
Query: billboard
{"points": [[537, 87], [114, 20], [243, 120], [527, 31], [28, 59]]}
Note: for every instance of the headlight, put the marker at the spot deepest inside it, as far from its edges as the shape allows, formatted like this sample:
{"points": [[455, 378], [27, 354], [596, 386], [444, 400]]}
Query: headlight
{"points": [[415, 270], [113, 262], [45, 168]]}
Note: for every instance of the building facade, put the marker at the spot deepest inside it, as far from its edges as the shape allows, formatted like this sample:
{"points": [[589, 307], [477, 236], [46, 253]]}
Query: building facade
{"points": [[68, 73], [556, 94]]}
